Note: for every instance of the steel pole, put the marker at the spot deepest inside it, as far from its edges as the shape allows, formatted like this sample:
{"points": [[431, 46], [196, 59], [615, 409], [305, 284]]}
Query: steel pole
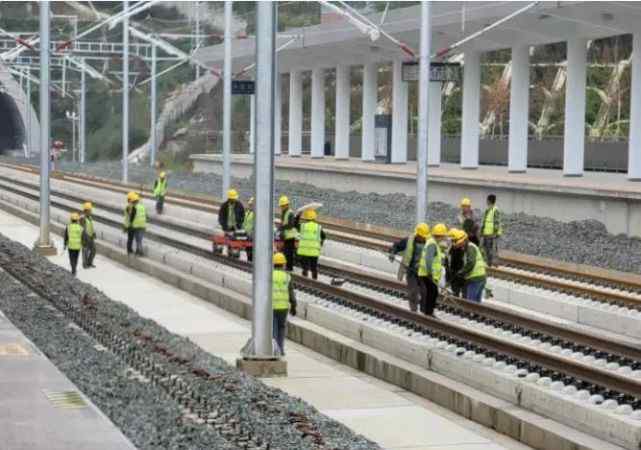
{"points": [[28, 109], [423, 105], [73, 136], [197, 35], [227, 101], [44, 241], [125, 96], [264, 178], [153, 112], [83, 116]]}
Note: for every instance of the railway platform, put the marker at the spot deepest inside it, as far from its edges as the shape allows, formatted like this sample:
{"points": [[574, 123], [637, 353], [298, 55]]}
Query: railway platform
{"points": [[40, 408], [386, 414], [607, 197]]}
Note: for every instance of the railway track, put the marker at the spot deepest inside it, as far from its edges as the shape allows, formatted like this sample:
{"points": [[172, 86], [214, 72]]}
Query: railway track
{"points": [[621, 289], [569, 357]]}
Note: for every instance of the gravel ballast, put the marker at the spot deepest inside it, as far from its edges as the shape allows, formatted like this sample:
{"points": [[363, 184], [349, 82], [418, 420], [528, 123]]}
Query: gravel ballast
{"points": [[583, 242], [145, 406]]}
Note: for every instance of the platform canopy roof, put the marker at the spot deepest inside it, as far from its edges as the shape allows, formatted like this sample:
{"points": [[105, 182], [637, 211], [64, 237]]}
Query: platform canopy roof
{"points": [[331, 44]]}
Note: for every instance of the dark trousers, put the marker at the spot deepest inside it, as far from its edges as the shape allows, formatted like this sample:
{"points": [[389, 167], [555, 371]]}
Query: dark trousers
{"points": [[429, 294], [490, 249], [250, 254], [160, 204], [458, 287], [309, 264], [135, 234], [474, 290], [279, 327], [88, 251], [413, 290], [289, 250], [73, 260]]}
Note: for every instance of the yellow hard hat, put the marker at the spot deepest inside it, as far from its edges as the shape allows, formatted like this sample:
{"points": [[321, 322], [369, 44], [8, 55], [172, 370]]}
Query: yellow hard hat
{"points": [[163, 174], [132, 196], [453, 233], [75, 217], [466, 202], [283, 201], [232, 194], [279, 259], [86, 206], [461, 238], [309, 214], [423, 230], [439, 230]]}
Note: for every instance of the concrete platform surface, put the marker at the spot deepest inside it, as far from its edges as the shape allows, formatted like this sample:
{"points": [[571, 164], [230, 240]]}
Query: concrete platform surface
{"points": [[40, 409], [602, 182], [391, 416]]}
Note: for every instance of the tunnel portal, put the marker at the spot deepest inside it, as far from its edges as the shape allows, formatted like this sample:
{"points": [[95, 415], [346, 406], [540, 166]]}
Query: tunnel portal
{"points": [[12, 129]]}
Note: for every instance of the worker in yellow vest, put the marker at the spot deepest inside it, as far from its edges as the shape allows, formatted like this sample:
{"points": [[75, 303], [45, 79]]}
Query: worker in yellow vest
{"points": [[73, 241], [491, 230], [430, 268], [135, 222], [88, 236], [412, 249], [311, 238], [474, 268], [248, 226], [288, 231], [283, 299], [160, 190]]}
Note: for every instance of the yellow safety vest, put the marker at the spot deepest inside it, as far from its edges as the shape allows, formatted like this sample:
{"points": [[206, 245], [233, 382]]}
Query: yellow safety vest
{"points": [[292, 233], [140, 220], [409, 250], [74, 236], [280, 289], [489, 227], [248, 222], [437, 262], [161, 187], [89, 226], [480, 266], [309, 243]]}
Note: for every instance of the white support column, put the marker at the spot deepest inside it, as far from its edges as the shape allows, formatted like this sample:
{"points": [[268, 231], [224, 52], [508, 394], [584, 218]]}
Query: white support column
{"points": [[252, 124], [83, 116], [370, 101], [519, 109], [471, 110], [318, 113], [343, 97], [295, 113], [399, 114], [574, 136], [434, 125], [634, 141], [278, 114]]}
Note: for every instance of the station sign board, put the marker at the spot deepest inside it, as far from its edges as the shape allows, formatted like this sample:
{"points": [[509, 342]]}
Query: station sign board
{"points": [[439, 71], [243, 87]]}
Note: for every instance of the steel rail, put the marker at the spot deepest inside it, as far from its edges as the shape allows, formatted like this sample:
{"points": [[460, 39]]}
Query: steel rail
{"points": [[379, 239]]}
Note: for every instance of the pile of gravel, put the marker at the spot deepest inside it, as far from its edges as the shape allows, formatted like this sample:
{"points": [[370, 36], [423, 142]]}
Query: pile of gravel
{"points": [[584, 242], [149, 417]]}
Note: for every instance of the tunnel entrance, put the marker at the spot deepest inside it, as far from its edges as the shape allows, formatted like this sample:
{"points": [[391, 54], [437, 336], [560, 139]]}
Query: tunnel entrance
{"points": [[12, 130]]}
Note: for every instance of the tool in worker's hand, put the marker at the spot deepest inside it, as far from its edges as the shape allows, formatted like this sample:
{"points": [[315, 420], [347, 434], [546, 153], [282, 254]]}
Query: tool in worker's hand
{"points": [[313, 205]]}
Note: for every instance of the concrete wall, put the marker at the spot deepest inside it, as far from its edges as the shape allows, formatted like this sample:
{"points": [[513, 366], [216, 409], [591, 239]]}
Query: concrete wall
{"points": [[548, 153]]}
